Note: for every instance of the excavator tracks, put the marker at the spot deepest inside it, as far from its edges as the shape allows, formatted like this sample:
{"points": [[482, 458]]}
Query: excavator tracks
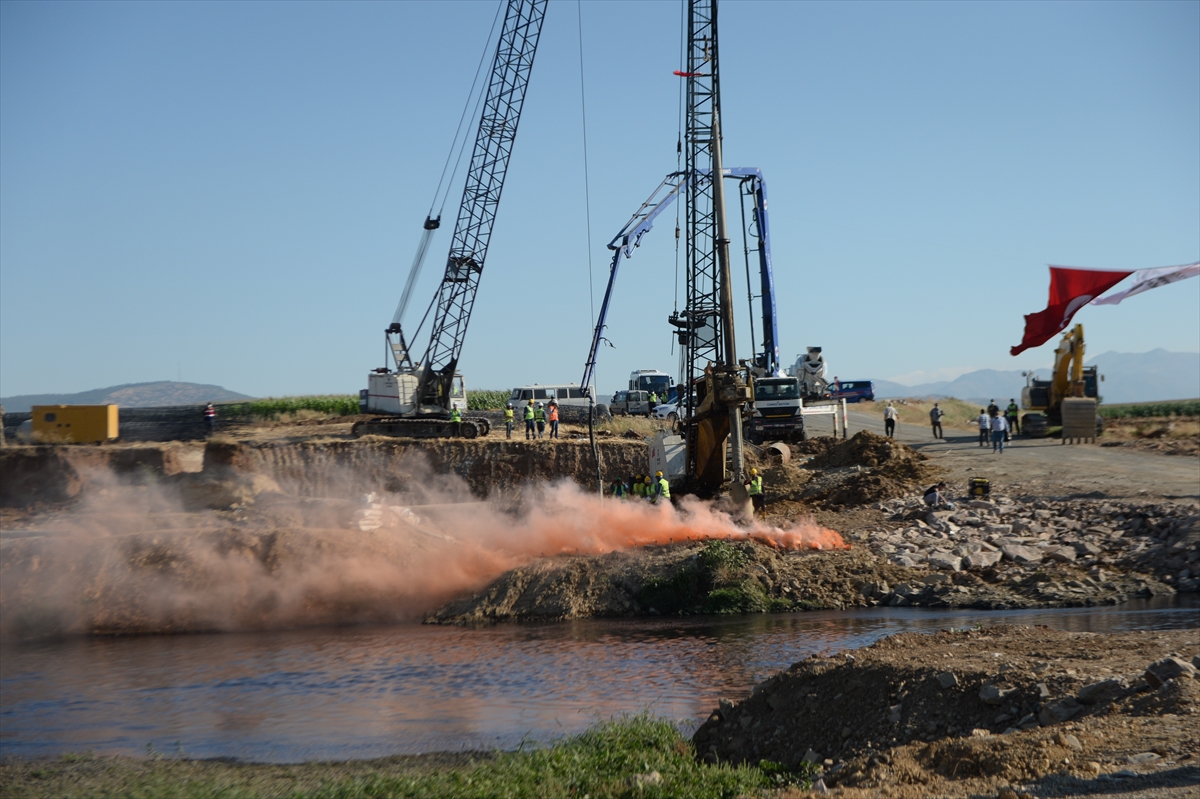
{"points": [[401, 427]]}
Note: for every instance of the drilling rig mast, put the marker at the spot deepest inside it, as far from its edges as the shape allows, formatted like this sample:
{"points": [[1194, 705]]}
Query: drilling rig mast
{"points": [[715, 386]]}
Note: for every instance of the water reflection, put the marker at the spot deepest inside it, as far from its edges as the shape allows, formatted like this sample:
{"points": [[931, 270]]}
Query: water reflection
{"points": [[368, 692]]}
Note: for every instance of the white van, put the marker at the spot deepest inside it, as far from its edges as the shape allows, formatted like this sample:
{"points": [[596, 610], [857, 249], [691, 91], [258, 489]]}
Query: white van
{"points": [[567, 394]]}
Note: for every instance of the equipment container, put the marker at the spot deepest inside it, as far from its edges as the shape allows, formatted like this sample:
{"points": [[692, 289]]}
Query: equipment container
{"points": [[74, 424]]}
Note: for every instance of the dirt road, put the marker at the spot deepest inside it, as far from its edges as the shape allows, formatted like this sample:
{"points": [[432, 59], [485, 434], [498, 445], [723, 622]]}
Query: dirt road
{"points": [[1046, 466]]}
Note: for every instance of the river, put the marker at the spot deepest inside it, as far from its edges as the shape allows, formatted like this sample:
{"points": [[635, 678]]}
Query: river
{"points": [[322, 694]]}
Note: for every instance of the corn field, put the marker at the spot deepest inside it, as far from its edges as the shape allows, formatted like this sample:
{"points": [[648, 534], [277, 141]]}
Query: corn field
{"points": [[486, 400], [1143, 410], [274, 407]]}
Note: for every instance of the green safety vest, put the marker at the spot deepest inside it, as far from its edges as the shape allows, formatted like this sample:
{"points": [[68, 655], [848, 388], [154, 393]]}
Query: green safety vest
{"points": [[508, 414], [528, 412], [455, 416], [755, 485], [1012, 409], [539, 414], [639, 489], [619, 490], [664, 488]]}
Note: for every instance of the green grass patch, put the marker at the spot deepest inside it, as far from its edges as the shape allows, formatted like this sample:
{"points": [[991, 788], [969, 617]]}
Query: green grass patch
{"points": [[1144, 410], [639, 756], [276, 407], [486, 400], [714, 582]]}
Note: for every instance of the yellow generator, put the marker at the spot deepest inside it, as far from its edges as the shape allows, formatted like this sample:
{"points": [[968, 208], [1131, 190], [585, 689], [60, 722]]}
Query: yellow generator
{"points": [[74, 424]]}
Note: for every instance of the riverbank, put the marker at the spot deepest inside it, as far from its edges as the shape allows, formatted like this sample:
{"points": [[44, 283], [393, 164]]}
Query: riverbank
{"points": [[991, 711]]}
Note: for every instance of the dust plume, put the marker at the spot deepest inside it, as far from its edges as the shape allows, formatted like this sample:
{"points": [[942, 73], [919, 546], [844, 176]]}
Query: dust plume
{"points": [[135, 559]]}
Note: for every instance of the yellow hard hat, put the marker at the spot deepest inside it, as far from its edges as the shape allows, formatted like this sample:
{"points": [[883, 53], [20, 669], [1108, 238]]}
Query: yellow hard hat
{"points": [[754, 471], [647, 478], [658, 474]]}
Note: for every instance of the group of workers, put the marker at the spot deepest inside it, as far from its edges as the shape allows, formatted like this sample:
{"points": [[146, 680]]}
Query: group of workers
{"points": [[536, 416], [657, 487], [644, 487]]}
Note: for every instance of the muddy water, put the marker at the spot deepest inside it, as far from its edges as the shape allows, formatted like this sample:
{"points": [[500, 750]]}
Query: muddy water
{"points": [[368, 692]]}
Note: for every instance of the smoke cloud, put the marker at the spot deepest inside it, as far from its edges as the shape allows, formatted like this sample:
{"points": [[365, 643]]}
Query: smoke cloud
{"points": [[131, 559]]}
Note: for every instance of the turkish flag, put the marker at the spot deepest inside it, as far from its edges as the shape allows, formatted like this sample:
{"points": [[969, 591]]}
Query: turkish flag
{"points": [[1070, 289]]}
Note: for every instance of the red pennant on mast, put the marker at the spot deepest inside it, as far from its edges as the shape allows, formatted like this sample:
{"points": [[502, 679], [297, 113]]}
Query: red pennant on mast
{"points": [[1070, 289]]}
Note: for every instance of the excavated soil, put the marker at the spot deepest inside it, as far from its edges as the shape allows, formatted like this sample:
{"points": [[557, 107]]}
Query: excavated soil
{"points": [[994, 712]]}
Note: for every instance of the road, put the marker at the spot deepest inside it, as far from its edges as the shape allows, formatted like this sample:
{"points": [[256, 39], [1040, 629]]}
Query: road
{"points": [[1043, 466]]}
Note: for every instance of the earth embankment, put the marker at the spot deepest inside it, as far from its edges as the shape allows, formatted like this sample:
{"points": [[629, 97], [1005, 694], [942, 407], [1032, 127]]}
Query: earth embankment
{"points": [[979, 712]]}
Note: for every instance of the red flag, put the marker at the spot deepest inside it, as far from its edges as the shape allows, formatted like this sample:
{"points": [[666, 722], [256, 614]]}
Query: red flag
{"points": [[1070, 290]]}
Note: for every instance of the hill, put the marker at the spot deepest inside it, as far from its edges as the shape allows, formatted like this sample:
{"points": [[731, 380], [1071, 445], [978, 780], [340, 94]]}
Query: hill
{"points": [[1128, 377], [130, 395]]}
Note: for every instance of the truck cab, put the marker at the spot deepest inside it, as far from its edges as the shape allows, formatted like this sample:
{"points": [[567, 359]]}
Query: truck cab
{"points": [[778, 410]]}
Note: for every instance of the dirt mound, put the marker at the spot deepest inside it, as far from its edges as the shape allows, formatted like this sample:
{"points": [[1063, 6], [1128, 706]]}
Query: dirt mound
{"points": [[996, 705], [867, 449], [862, 470], [713, 577]]}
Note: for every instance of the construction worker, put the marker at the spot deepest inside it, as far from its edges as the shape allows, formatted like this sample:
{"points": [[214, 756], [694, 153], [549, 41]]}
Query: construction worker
{"points": [[552, 415], [456, 420], [530, 430], [1014, 411], [653, 399], [508, 420], [754, 489], [210, 418], [619, 491], [638, 489], [648, 488], [662, 489], [539, 414]]}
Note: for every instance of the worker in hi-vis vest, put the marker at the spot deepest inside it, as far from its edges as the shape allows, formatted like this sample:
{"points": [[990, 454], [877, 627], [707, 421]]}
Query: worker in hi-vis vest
{"points": [[754, 489], [508, 420], [662, 489], [530, 430]]}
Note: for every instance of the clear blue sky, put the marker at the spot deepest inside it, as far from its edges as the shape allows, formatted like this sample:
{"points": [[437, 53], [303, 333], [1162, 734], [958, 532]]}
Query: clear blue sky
{"points": [[232, 193]]}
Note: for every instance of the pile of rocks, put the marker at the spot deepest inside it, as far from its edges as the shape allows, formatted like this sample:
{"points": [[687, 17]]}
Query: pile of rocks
{"points": [[1085, 544]]}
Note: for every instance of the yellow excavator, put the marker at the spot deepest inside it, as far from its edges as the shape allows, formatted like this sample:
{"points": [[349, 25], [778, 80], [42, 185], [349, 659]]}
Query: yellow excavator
{"points": [[1043, 399]]}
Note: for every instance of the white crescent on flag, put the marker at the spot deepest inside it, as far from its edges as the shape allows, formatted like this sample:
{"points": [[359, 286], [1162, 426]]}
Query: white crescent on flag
{"points": [[1146, 279]]}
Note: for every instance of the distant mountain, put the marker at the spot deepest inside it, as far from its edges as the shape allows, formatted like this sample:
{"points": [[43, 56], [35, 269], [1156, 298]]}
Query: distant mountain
{"points": [[1128, 377], [1148, 376], [131, 395], [978, 386]]}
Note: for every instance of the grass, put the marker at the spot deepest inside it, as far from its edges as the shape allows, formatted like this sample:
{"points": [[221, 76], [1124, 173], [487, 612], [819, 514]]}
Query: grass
{"points": [[715, 582], [487, 400], [1144, 410], [279, 407], [916, 411], [640, 756]]}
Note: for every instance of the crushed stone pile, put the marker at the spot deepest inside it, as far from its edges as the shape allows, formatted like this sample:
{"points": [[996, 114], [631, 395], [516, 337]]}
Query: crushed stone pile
{"points": [[1067, 552], [993, 706]]}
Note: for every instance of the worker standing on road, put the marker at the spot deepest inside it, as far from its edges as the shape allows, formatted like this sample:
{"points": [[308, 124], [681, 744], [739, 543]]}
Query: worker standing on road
{"points": [[539, 415], [530, 430], [553, 417], [993, 408], [508, 420], [653, 399], [999, 428], [889, 420], [210, 418], [935, 418], [1013, 411], [754, 489], [985, 427]]}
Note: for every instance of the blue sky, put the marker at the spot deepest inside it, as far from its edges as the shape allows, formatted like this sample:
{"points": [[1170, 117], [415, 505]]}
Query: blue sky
{"points": [[232, 193]]}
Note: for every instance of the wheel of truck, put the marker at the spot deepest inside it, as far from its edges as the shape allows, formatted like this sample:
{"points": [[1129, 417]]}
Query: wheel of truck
{"points": [[484, 425], [469, 430]]}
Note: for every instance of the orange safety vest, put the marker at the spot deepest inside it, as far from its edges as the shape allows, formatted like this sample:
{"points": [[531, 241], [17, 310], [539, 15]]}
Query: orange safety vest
{"points": [[554, 413]]}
